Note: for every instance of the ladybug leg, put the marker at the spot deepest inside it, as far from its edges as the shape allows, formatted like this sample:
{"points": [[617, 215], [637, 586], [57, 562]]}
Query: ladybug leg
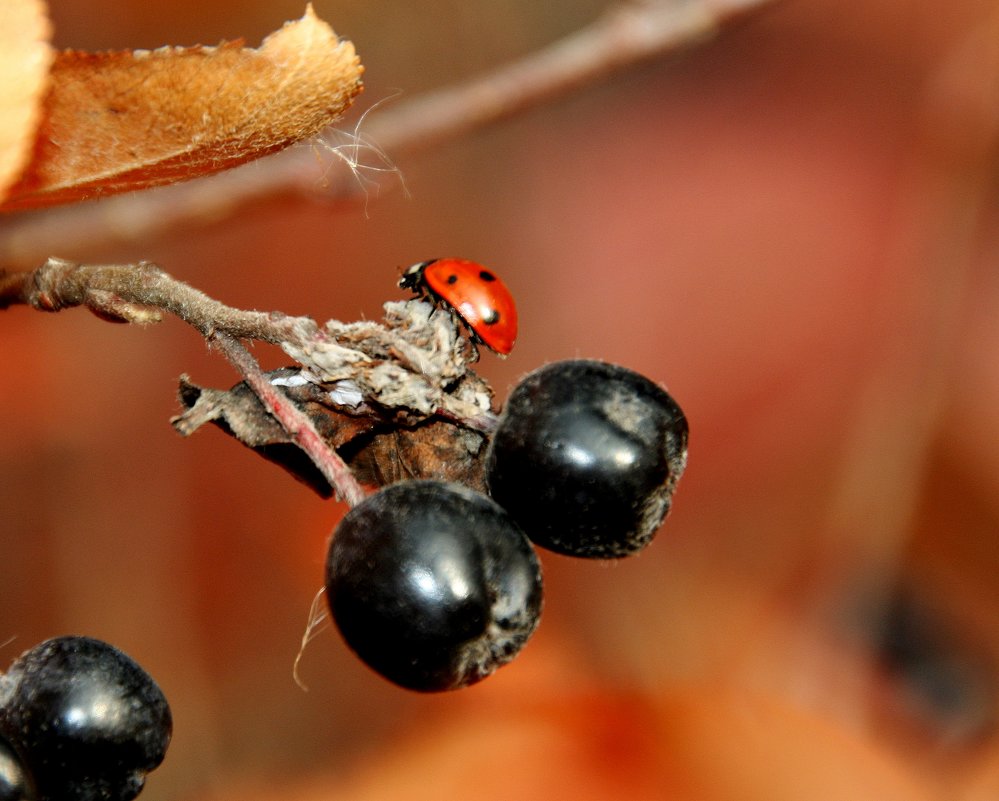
{"points": [[470, 346], [466, 336]]}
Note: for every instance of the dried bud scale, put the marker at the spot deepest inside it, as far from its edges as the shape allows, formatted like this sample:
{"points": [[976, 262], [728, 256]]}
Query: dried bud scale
{"points": [[414, 363], [395, 400]]}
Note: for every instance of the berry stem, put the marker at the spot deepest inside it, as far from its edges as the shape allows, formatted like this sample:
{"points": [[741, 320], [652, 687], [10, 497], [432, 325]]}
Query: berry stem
{"points": [[137, 293]]}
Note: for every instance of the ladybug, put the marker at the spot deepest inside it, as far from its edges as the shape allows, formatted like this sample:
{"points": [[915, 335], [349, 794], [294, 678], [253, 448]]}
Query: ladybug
{"points": [[479, 299]]}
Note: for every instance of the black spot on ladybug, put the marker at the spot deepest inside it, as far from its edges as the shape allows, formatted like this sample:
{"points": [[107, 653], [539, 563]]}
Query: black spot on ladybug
{"points": [[492, 318], [485, 275], [452, 279]]}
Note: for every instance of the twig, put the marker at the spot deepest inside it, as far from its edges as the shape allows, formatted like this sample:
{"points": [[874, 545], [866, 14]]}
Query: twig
{"points": [[626, 35], [411, 367], [136, 292]]}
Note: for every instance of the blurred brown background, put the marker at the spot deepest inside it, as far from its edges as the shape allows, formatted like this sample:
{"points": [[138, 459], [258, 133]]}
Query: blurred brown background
{"points": [[792, 226]]}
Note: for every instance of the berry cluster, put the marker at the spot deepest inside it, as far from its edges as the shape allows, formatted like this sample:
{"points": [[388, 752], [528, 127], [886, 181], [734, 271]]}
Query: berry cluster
{"points": [[435, 586], [79, 721], [433, 580]]}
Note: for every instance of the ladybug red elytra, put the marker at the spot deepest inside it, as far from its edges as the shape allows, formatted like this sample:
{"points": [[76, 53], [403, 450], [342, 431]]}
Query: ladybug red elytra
{"points": [[474, 293]]}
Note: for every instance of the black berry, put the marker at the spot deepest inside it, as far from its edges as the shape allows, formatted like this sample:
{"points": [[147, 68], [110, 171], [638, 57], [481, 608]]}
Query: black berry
{"points": [[87, 720], [15, 783], [432, 585], [586, 457]]}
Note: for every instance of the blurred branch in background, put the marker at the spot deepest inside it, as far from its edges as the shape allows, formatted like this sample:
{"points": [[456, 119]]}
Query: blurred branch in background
{"points": [[625, 36]]}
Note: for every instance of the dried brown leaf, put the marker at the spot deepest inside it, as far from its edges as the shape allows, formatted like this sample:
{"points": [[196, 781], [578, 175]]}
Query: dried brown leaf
{"points": [[25, 56], [129, 120], [378, 449]]}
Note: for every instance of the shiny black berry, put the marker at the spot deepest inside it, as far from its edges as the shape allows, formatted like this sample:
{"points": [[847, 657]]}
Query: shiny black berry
{"points": [[15, 783], [88, 721], [586, 457], [432, 585]]}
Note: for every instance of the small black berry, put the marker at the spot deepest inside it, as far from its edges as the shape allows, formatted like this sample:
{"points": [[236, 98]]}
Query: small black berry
{"points": [[586, 457], [15, 783], [432, 585], [88, 721]]}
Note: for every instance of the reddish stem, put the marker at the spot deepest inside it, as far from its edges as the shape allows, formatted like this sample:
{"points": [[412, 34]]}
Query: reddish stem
{"points": [[292, 419]]}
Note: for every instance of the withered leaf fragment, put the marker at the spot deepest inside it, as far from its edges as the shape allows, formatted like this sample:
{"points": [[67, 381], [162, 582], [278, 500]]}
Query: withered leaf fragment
{"points": [[120, 121], [25, 56], [377, 447]]}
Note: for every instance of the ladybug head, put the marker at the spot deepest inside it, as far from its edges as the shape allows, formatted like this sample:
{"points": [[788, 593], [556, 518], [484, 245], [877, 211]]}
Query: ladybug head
{"points": [[412, 277]]}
